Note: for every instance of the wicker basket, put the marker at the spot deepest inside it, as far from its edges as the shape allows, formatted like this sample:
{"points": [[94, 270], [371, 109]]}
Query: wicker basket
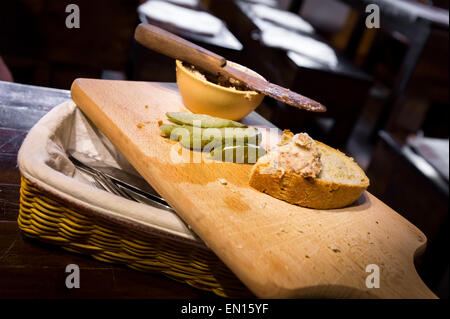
{"points": [[48, 216]]}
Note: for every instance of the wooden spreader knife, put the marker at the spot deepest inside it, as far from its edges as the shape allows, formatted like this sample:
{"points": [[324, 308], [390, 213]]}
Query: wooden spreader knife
{"points": [[175, 47]]}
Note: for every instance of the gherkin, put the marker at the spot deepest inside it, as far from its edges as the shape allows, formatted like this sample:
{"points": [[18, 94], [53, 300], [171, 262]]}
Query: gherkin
{"points": [[201, 120]]}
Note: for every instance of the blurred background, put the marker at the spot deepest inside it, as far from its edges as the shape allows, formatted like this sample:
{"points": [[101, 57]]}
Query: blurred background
{"points": [[386, 88]]}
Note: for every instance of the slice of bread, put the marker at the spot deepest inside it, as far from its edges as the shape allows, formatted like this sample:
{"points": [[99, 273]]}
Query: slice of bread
{"points": [[340, 182]]}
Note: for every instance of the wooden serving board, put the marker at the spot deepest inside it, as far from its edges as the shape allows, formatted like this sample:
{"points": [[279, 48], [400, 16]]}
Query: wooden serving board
{"points": [[278, 250]]}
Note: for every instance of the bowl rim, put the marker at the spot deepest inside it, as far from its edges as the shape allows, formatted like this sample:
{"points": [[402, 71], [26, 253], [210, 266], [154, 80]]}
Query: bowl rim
{"points": [[183, 69]]}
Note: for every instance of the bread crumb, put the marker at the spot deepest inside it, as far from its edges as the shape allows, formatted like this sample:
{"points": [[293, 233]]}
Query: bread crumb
{"points": [[223, 181], [141, 125], [160, 122], [146, 106], [307, 256], [334, 249]]}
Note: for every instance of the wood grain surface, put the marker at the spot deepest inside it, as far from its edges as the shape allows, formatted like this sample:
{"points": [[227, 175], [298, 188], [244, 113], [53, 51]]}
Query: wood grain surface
{"points": [[278, 250]]}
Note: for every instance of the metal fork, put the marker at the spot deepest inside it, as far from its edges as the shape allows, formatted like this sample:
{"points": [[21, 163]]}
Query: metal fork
{"points": [[103, 182], [110, 186]]}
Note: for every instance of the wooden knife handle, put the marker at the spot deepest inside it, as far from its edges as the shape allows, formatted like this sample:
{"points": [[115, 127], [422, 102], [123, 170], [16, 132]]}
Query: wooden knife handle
{"points": [[171, 45]]}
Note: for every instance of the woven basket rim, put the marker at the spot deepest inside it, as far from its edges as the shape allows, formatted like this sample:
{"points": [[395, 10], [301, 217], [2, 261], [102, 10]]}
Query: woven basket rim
{"points": [[33, 167]]}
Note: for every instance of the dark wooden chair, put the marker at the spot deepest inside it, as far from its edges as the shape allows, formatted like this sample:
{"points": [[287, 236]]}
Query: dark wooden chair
{"points": [[146, 65], [398, 177], [342, 89], [420, 34]]}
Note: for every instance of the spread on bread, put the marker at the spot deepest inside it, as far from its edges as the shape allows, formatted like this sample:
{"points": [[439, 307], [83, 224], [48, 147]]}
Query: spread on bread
{"points": [[299, 154], [308, 173]]}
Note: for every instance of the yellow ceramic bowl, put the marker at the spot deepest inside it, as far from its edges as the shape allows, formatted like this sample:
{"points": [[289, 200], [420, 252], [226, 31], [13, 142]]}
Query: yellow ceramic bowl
{"points": [[204, 97]]}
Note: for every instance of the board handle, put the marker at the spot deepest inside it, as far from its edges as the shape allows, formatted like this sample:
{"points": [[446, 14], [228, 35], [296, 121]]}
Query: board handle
{"points": [[176, 47]]}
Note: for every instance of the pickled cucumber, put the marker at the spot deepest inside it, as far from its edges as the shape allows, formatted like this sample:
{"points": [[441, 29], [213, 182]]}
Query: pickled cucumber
{"points": [[238, 135], [199, 138], [201, 120], [246, 153], [226, 140], [166, 129]]}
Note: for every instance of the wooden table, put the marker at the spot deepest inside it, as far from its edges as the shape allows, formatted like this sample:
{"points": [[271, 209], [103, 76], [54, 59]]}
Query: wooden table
{"points": [[32, 269]]}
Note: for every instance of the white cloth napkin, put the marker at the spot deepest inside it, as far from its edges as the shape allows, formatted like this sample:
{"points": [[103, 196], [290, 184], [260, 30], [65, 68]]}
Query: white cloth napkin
{"points": [[42, 159], [310, 48], [282, 18], [288, 31], [183, 18], [272, 3], [304, 61], [188, 3], [434, 150]]}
